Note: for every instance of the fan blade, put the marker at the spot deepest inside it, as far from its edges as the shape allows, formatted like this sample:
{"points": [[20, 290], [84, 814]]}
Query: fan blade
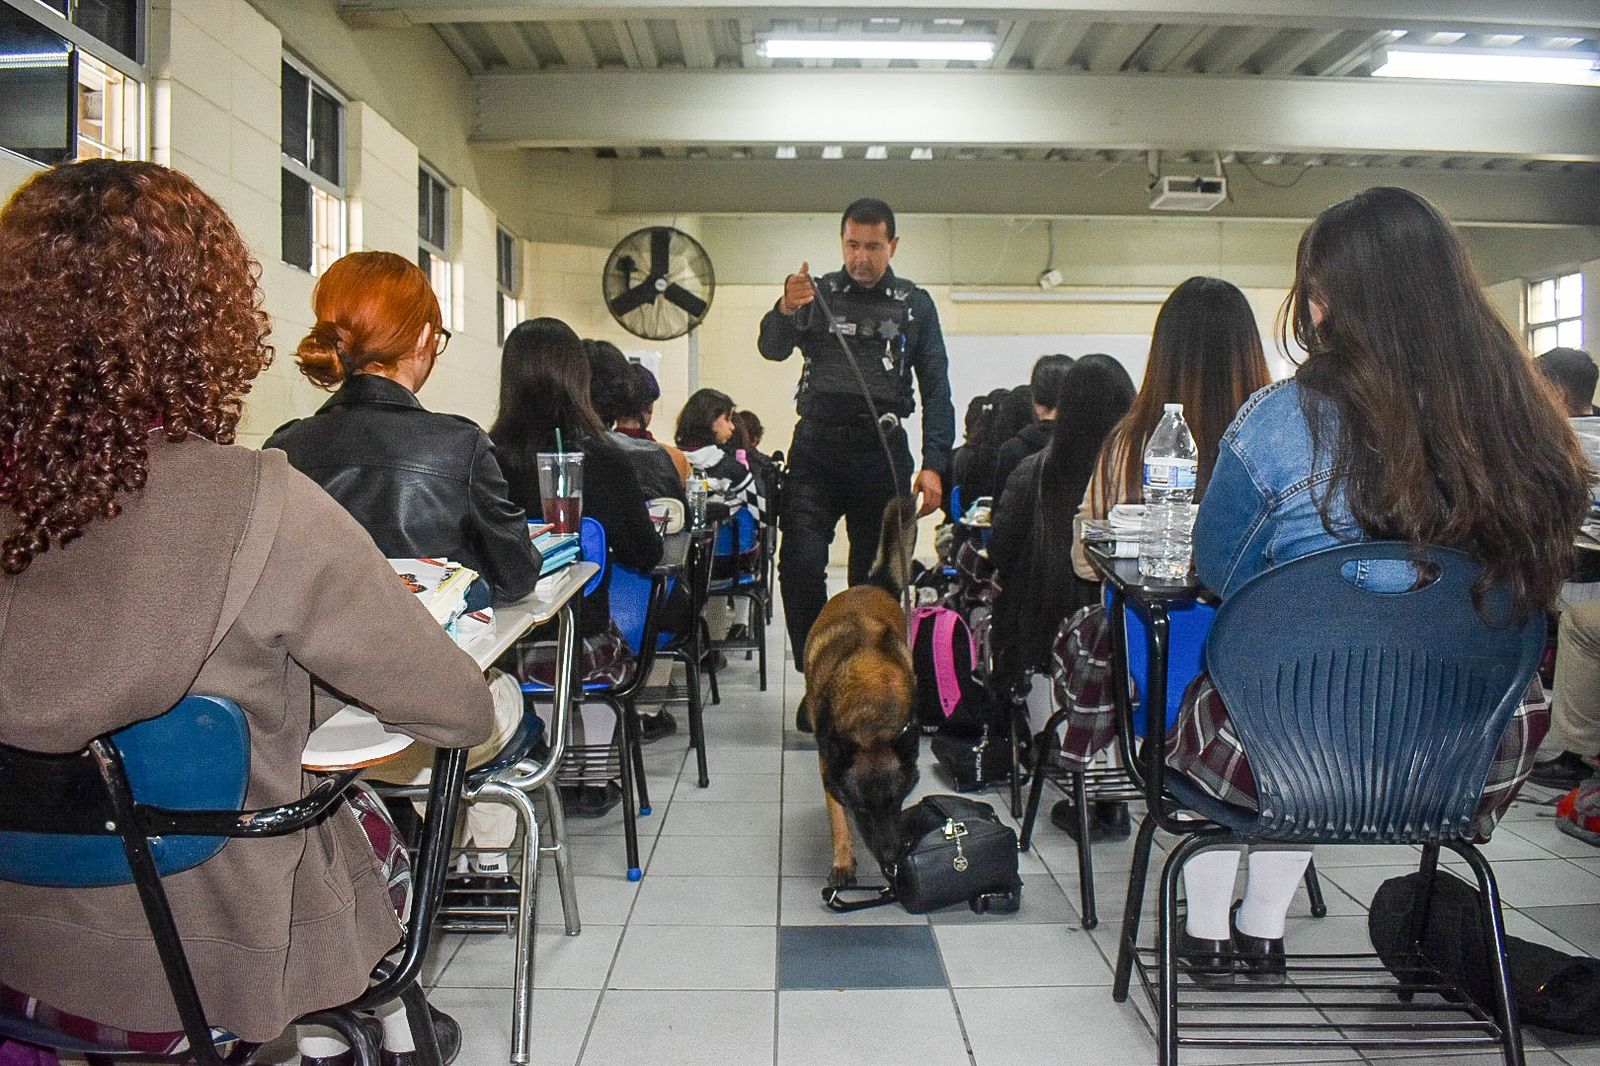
{"points": [[660, 251], [634, 298], [687, 300]]}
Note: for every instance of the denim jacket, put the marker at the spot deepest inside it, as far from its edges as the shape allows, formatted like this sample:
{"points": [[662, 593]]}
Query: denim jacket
{"points": [[1261, 507]]}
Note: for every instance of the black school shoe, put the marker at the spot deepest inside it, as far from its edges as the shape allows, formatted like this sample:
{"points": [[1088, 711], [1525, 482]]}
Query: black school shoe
{"points": [[1564, 773], [1260, 959], [1108, 819], [446, 1028], [1209, 963], [652, 727]]}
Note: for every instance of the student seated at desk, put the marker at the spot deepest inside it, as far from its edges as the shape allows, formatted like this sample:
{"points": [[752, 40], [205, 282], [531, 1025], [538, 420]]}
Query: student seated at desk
{"points": [[422, 484], [545, 385], [1031, 539], [705, 433], [614, 392], [1206, 354], [1381, 434], [146, 558]]}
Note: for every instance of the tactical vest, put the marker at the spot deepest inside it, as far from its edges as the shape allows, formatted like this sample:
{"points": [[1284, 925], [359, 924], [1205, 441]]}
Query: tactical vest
{"points": [[875, 323]]}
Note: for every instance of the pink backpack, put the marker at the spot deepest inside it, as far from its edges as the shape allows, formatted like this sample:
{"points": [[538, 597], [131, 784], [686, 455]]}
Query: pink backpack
{"points": [[943, 654]]}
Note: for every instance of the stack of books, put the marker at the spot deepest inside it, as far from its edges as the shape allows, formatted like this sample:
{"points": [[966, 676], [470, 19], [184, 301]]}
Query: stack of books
{"points": [[557, 550], [440, 584]]}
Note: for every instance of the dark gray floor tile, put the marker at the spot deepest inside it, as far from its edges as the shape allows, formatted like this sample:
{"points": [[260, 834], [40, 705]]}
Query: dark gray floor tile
{"points": [[880, 956]]}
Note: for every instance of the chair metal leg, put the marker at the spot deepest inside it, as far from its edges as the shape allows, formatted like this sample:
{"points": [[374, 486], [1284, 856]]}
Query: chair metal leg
{"points": [[630, 830], [1319, 906], [641, 785], [1420, 905], [1080, 797], [1137, 874], [563, 857], [1505, 1008], [1035, 793], [1167, 937], [758, 615], [527, 911], [711, 663], [420, 1019], [697, 719], [1016, 766]]}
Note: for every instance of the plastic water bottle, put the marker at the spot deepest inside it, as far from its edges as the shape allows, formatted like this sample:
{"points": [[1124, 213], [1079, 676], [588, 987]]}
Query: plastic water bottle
{"points": [[697, 492], [1170, 466]]}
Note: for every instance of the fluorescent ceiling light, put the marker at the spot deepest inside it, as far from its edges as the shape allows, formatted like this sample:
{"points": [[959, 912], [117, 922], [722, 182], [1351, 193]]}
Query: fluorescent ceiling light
{"points": [[1488, 64], [877, 151], [785, 151], [832, 151], [922, 153], [878, 47], [32, 60]]}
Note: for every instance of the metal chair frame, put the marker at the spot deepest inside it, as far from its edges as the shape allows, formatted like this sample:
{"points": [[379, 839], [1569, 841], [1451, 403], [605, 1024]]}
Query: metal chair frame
{"points": [[748, 582]]}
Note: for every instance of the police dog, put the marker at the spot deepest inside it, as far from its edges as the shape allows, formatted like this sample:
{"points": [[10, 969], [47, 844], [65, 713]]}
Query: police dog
{"points": [[859, 685]]}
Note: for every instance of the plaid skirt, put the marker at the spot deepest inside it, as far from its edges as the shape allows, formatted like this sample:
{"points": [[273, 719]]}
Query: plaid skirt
{"points": [[1204, 747], [977, 583], [603, 659], [1080, 679], [388, 847]]}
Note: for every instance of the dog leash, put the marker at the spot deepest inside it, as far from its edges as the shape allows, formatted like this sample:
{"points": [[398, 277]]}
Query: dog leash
{"points": [[885, 894]]}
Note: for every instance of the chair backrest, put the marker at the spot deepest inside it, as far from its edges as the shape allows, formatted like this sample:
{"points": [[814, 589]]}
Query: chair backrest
{"points": [[1370, 716], [738, 535], [631, 595], [592, 543], [54, 809], [955, 501]]}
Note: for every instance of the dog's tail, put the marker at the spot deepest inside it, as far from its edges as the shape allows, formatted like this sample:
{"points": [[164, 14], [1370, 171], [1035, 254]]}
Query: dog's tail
{"points": [[897, 543]]}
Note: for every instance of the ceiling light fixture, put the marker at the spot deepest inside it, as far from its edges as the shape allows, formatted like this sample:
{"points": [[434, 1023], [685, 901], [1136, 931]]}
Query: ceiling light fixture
{"points": [[922, 153], [878, 46], [832, 151], [785, 151], [877, 151], [1488, 64]]}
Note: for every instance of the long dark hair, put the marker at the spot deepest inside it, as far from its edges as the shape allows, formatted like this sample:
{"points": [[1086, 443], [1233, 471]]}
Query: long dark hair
{"points": [[1205, 353], [694, 421], [544, 386], [1015, 413], [1445, 436], [1096, 394]]}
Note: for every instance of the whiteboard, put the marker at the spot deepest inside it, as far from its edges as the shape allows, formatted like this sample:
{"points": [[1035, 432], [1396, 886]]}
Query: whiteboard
{"points": [[981, 363]]}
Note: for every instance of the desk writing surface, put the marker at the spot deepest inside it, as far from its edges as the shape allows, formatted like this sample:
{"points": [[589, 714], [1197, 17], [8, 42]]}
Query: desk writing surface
{"points": [[355, 737], [1125, 575]]}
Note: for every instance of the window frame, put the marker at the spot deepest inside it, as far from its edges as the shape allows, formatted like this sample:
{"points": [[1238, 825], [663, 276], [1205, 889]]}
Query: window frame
{"points": [[508, 292], [436, 259], [336, 191], [1532, 328], [81, 43]]}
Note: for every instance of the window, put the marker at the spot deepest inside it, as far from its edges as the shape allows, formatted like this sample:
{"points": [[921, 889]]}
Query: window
{"points": [[313, 171], [433, 235], [1555, 313], [508, 280], [67, 93]]}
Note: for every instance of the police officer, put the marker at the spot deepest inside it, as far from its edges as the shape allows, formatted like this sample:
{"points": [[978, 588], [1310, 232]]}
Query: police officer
{"points": [[837, 465]]}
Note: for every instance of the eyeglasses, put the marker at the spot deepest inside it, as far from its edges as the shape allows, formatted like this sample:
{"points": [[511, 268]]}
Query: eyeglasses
{"points": [[441, 341]]}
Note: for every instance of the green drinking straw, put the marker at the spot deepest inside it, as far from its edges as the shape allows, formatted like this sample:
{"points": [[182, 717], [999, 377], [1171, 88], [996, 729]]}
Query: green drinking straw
{"points": [[561, 466]]}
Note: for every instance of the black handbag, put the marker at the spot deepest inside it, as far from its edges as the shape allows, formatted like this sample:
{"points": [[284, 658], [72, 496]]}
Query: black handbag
{"points": [[955, 851]]}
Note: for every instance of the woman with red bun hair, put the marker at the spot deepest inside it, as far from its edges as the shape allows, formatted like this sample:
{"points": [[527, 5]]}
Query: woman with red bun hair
{"points": [[143, 557]]}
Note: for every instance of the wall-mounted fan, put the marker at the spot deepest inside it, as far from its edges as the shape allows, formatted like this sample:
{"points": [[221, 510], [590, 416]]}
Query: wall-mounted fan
{"points": [[658, 283]]}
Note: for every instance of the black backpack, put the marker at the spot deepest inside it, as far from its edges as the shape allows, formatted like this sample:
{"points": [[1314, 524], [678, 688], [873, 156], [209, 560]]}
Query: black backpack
{"points": [[943, 656], [1550, 988]]}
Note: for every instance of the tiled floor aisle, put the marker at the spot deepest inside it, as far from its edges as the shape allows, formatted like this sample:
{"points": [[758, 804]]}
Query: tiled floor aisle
{"points": [[725, 956]]}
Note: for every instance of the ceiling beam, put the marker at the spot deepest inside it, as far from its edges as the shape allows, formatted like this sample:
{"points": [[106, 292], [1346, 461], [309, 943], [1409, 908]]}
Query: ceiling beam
{"points": [[1025, 188], [573, 41], [1550, 17], [509, 39], [1022, 109]]}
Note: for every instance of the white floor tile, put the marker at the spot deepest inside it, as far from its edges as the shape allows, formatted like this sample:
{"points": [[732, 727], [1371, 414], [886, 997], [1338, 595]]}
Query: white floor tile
{"points": [[697, 957], [560, 961], [731, 788], [560, 1023], [601, 900], [688, 856], [1020, 955], [721, 819], [682, 1029], [802, 904], [916, 1027], [724, 901]]}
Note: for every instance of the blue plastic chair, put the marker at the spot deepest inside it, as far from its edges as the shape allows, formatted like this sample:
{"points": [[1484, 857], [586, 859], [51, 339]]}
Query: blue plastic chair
{"points": [[955, 501], [1187, 628], [163, 796], [1368, 718], [634, 600], [741, 546]]}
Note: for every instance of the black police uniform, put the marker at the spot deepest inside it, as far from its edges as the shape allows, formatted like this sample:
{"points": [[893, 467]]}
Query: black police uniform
{"points": [[836, 463]]}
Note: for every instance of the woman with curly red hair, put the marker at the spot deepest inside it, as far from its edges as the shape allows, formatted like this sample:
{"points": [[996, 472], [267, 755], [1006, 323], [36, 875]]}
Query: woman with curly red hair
{"points": [[145, 558]]}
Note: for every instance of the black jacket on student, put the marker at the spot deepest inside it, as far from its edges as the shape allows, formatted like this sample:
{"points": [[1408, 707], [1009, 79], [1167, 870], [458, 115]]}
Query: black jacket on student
{"points": [[422, 484], [1029, 440]]}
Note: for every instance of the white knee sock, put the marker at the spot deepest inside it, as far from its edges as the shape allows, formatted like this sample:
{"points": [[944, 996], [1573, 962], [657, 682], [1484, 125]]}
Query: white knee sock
{"points": [[396, 1028], [1208, 886], [1274, 878], [317, 1043]]}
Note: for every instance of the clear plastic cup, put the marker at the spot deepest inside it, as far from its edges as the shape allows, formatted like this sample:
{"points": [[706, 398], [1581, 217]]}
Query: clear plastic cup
{"points": [[561, 489]]}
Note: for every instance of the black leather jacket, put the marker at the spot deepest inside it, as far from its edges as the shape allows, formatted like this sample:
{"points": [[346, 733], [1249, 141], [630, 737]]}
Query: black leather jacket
{"points": [[422, 484]]}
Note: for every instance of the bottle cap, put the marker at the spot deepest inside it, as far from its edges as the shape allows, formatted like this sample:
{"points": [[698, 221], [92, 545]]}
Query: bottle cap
{"points": [[1172, 408]]}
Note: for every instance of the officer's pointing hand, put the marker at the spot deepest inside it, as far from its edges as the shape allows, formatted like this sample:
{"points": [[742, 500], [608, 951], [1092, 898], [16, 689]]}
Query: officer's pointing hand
{"points": [[797, 291]]}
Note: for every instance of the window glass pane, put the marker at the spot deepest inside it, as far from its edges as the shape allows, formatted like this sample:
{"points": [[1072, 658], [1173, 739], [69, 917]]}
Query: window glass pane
{"points": [[439, 275], [1569, 296], [296, 97], [296, 221], [1570, 333], [108, 115], [327, 229], [432, 208], [424, 203], [113, 21], [425, 261], [1542, 300], [505, 260], [1544, 338], [325, 145], [35, 90]]}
